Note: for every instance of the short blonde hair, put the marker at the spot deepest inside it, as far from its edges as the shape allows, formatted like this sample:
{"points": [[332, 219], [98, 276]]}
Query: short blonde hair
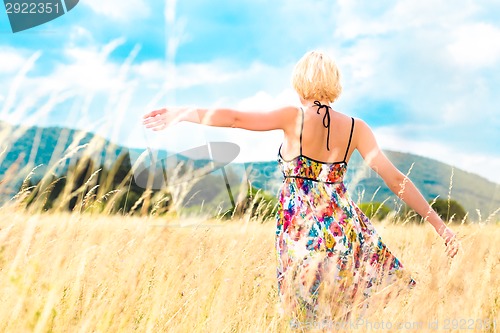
{"points": [[317, 77]]}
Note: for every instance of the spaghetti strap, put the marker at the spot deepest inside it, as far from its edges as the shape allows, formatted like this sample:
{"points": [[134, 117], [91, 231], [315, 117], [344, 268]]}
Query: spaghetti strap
{"points": [[301, 129], [350, 138]]}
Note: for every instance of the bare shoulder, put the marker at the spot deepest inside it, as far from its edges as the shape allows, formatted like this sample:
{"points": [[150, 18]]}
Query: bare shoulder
{"points": [[361, 131], [343, 118], [289, 116], [288, 111], [361, 128], [364, 140]]}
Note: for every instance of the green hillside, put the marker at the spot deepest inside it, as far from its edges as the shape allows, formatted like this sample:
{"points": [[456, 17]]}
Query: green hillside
{"points": [[36, 145], [432, 178]]}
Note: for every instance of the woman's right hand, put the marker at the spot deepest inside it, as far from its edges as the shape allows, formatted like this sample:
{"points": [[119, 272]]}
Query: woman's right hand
{"points": [[160, 119]]}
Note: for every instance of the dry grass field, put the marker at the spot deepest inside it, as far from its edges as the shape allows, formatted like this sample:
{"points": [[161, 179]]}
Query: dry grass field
{"points": [[64, 272]]}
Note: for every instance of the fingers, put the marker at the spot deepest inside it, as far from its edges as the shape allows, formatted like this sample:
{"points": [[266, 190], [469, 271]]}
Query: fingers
{"points": [[448, 236], [452, 251], [158, 120], [452, 247], [149, 121], [153, 122], [449, 239], [154, 113], [159, 123], [159, 127], [156, 126]]}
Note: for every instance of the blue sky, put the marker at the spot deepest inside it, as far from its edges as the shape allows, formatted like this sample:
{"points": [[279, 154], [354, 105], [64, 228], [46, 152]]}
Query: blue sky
{"points": [[424, 75]]}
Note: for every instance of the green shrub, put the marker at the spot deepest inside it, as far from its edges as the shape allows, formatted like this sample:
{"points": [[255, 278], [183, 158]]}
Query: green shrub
{"points": [[375, 210], [257, 203], [452, 211], [455, 211]]}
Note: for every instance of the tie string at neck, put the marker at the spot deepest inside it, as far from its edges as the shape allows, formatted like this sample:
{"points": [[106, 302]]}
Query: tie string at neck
{"points": [[326, 120]]}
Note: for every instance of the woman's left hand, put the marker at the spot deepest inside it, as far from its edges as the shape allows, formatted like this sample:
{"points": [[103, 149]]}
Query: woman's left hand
{"points": [[451, 242]]}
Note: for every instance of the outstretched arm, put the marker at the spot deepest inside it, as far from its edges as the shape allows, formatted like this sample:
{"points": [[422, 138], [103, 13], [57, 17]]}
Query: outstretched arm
{"points": [[399, 183], [221, 117]]}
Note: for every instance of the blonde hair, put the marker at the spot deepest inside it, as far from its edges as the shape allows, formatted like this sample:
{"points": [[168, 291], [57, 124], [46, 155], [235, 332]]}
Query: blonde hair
{"points": [[317, 77]]}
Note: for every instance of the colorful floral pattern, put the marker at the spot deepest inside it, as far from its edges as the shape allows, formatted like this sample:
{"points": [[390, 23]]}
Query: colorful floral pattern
{"points": [[320, 228]]}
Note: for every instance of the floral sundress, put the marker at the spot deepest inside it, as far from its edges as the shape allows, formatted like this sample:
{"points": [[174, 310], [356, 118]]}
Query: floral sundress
{"points": [[321, 233]]}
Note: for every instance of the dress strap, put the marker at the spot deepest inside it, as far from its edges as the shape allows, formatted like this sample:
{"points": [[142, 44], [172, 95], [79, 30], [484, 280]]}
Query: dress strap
{"points": [[350, 137], [301, 129]]}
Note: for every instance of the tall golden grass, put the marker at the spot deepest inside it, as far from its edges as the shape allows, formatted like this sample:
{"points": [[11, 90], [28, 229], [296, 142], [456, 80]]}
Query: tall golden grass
{"points": [[63, 272]]}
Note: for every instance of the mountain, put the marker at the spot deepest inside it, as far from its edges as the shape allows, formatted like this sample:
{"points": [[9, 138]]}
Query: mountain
{"points": [[431, 177], [434, 178], [44, 147], [31, 146]]}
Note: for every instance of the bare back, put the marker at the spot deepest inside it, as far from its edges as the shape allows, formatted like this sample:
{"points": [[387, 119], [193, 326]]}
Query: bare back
{"points": [[310, 137]]}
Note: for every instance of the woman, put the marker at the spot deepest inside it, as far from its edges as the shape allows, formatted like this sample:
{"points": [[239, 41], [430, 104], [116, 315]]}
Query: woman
{"points": [[321, 234]]}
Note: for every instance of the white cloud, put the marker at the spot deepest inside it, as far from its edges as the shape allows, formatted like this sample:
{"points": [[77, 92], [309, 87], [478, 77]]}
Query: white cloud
{"points": [[361, 19], [475, 45], [426, 57], [11, 60], [419, 14], [193, 74], [79, 36], [255, 146], [187, 75], [262, 100], [89, 71], [98, 89], [120, 10]]}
